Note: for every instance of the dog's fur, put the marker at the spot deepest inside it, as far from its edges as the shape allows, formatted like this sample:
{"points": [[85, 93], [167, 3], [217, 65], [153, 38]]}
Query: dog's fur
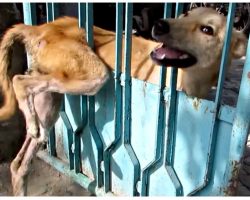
{"points": [[61, 62]]}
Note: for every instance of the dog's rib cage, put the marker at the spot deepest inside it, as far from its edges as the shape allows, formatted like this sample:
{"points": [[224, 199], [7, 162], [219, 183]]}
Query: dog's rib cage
{"points": [[196, 146]]}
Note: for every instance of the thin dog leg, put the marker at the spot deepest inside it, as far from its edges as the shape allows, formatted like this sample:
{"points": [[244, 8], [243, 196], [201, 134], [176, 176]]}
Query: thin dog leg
{"points": [[27, 107], [20, 165], [27, 84]]}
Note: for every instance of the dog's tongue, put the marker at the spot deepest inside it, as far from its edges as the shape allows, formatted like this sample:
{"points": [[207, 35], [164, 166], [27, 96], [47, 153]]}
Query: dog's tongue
{"points": [[165, 52]]}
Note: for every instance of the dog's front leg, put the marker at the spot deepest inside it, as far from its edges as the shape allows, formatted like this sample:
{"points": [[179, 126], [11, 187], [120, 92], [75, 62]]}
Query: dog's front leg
{"points": [[21, 164], [36, 84], [26, 105]]}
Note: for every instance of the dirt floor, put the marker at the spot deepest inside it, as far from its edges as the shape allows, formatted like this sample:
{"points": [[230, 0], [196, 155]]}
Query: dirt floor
{"points": [[42, 181]]}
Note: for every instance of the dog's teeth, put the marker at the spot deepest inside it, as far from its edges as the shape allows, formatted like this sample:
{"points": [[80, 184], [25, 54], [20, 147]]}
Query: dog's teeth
{"points": [[184, 56], [162, 56]]}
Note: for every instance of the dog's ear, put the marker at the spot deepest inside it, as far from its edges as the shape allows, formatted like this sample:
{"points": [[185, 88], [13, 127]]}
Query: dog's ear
{"points": [[239, 44]]}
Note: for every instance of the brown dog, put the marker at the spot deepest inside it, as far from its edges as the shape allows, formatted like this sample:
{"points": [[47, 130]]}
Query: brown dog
{"points": [[61, 62]]}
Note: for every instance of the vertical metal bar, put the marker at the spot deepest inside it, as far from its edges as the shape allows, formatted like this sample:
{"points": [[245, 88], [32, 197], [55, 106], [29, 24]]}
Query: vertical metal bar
{"points": [[127, 96], [172, 106], [82, 14], [52, 12], [225, 54], [29, 10], [118, 98], [127, 64], [89, 24], [30, 18], [77, 150], [171, 133], [52, 142], [241, 123], [76, 144], [29, 15], [55, 9], [49, 12], [70, 139], [91, 100], [83, 99], [160, 136], [118, 63], [242, 117], [51, 138]]}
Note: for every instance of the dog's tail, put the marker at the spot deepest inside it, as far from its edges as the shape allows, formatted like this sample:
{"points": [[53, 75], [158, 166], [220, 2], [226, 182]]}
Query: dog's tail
{"points": [[9, 100]]}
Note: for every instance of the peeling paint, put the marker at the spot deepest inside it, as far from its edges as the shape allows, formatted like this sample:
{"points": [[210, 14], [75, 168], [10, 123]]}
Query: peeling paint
{"points": [[196, 103], [233, 182], [206, 110]]}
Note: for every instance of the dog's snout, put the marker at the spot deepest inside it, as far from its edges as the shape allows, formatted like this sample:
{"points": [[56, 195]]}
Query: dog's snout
{"points": [[161, 27]]}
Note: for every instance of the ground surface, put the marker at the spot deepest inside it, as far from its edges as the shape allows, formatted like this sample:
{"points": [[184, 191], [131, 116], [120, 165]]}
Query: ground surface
{"points": [[43, 181]]}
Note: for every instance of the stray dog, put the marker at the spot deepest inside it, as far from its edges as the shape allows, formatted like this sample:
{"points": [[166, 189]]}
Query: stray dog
{"points": [[61, 62]]}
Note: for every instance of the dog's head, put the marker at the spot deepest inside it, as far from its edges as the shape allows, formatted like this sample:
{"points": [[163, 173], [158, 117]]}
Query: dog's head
{"points": [[194, 39]]}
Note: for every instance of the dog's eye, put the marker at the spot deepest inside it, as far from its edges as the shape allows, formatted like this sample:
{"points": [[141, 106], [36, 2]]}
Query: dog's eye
{"points": [[207, 30]]}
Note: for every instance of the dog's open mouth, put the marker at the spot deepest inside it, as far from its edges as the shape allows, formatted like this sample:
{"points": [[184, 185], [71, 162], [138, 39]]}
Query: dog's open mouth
{"points": [[167, 56]]}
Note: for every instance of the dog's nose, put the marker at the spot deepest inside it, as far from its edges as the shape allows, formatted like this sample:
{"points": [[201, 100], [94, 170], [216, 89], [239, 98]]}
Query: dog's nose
{"points": [[161, 27]]}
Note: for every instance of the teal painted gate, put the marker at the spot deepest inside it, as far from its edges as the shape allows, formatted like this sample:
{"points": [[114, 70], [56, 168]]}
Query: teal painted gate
{"points": [[138, 139]]}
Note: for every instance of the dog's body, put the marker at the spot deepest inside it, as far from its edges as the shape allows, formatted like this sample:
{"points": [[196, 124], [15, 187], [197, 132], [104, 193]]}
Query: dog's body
{"points": [[62, 62]]}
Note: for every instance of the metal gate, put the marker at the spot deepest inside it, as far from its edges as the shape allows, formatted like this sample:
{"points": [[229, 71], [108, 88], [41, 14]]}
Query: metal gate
{"points": [[136, 138]]}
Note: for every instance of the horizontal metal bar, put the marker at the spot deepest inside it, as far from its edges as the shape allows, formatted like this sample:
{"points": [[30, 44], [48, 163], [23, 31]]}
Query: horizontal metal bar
{"points": [[226, 114], [79, 178]]}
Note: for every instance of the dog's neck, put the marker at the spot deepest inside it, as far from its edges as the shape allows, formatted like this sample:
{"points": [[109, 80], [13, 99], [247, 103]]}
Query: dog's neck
{"points": [[197, 81]]}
